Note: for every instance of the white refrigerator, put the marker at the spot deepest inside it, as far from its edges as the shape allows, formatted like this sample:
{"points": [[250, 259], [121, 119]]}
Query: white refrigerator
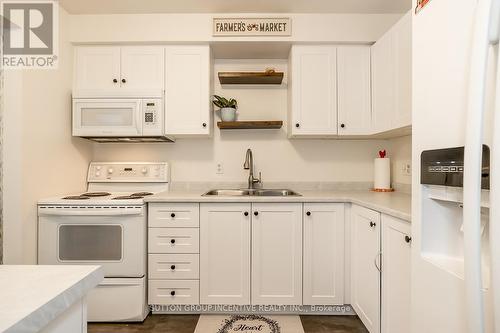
{"points": [[456, 230]]}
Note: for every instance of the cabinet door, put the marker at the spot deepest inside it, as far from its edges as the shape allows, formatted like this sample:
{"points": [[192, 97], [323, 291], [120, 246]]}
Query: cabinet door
{"points": [[96, 70], [225, 253], [313, 105], [396, 274], [187, 90], [365, 276], [402, 62], [277, 253], [142, 70], [383, 75], [354, 94], [323, 254]]}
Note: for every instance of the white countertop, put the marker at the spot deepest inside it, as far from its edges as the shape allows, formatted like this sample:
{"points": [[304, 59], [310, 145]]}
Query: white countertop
{"points": [[396, 204], [31, 296]]}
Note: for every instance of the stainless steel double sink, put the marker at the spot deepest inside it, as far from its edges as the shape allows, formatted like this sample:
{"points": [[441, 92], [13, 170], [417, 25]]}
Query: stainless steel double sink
{"points": [[252, 192]]}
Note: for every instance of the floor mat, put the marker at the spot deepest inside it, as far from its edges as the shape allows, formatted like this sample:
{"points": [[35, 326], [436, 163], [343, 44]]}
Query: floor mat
{"points": [[248, 324]]}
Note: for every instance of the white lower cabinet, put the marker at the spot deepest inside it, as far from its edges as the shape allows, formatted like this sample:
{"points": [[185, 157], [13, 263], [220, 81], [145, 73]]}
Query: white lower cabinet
{"points": [[365, 258], [225, 253], [277, 253], [396, 274], [323, 253]]}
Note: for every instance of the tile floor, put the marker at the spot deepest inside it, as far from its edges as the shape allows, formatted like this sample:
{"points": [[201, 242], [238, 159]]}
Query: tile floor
{"points": [[187, 324]]}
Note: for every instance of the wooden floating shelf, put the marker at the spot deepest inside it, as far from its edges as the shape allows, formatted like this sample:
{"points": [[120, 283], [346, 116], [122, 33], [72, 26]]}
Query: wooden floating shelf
{"points": [[250, 124], [250, 77]]}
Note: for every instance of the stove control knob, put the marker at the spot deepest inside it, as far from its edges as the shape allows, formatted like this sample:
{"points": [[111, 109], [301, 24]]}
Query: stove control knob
{"points": [[144, 170], [98, 167], [98, 173], [110, 170]]}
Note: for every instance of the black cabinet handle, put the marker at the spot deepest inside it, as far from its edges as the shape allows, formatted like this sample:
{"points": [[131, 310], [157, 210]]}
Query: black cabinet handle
{"points": [[255, 213], [372, 224], [297, 125], [308, 213], [172, 293], [408, 239], [124, 81], [172, 241], [204, 124], [115, 81], [172, 267], [342, 125], [245, 213], [172, 215]]}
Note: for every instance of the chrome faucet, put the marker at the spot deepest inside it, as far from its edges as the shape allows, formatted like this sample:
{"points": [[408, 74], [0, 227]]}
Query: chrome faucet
{"points": [[249, 166]]}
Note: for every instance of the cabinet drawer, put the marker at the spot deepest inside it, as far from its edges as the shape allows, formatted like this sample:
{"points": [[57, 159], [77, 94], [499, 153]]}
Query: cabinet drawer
{"points": [[174, 266], [173, 240], [175, 215], [163, 292]]}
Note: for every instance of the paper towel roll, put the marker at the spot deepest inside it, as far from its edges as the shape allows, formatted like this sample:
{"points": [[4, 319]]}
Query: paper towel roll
{"points": [[382, 176]]}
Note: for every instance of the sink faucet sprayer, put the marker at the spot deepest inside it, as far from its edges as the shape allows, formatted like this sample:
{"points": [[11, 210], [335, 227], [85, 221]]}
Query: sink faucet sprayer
{"points": [[249, 166]]}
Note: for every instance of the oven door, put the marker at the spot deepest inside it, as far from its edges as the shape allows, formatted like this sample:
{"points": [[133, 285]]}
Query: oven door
{"points": [[113, 237], [107, 117]]}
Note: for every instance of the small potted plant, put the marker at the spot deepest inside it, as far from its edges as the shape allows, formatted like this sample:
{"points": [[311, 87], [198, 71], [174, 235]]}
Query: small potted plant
{"points": [[227, 107]]}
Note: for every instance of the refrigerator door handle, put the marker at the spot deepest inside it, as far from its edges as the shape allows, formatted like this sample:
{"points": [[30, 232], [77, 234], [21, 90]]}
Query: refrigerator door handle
{"points": [[494, 218], [473, 165]]}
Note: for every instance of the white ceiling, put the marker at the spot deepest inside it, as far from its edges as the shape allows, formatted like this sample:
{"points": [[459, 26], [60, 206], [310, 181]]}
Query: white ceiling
{"points": [[234, 6]]}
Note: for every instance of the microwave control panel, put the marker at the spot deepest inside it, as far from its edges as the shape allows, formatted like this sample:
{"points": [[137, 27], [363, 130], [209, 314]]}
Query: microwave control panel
{"points": [[152, 121]]}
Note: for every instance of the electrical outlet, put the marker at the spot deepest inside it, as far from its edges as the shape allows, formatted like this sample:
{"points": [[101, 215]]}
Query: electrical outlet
{"points": [[219, 169], [406, 169]]}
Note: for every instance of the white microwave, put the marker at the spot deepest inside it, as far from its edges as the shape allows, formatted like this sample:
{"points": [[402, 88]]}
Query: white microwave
{"points": [[119, 120]]}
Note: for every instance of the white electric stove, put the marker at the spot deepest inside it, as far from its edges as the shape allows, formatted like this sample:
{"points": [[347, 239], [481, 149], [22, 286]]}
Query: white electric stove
{"points": [[105, 225]]}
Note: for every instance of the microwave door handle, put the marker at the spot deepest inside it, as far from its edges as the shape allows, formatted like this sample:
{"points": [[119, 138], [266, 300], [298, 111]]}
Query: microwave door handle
{"points": [[139, 113], [472, 168]]}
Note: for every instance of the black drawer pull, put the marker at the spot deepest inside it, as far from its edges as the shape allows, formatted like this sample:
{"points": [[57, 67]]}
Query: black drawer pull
{"points": [[308, 213], [408, 239], [255, 213], [172, 267], [172, 215], [245, 213], [172, 293], [373, 224], [172, 241]]}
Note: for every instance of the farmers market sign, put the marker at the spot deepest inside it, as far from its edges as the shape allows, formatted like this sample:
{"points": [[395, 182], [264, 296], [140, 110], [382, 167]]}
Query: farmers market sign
{"points": [[271, 26]]}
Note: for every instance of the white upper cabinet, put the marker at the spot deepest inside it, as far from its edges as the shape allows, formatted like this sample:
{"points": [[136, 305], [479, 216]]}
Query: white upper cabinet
{"points": [[225, 253], [277, 253], [313, 90], [97, 69], [142, 69], [114, 71], [402, 56], [365, 266], [391, 78], [187, 90], [354, 95], [323, 253], [396, 275]]}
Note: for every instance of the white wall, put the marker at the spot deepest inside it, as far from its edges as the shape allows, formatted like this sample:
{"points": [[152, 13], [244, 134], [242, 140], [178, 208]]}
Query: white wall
{"points": [[277, 157], [306, 28], [39, 149], [400, 154]]}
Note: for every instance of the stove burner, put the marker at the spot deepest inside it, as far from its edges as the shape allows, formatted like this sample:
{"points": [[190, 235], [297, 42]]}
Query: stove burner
{"points": [[95, 194], [127, 197], [76, 197], [141, 194]]}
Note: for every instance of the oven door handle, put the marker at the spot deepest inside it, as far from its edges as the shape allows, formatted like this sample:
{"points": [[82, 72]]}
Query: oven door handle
{"points": [[42, 211]]}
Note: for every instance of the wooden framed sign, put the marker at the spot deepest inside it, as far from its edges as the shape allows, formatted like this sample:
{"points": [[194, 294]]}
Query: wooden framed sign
{"points": [[267, 26]]}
